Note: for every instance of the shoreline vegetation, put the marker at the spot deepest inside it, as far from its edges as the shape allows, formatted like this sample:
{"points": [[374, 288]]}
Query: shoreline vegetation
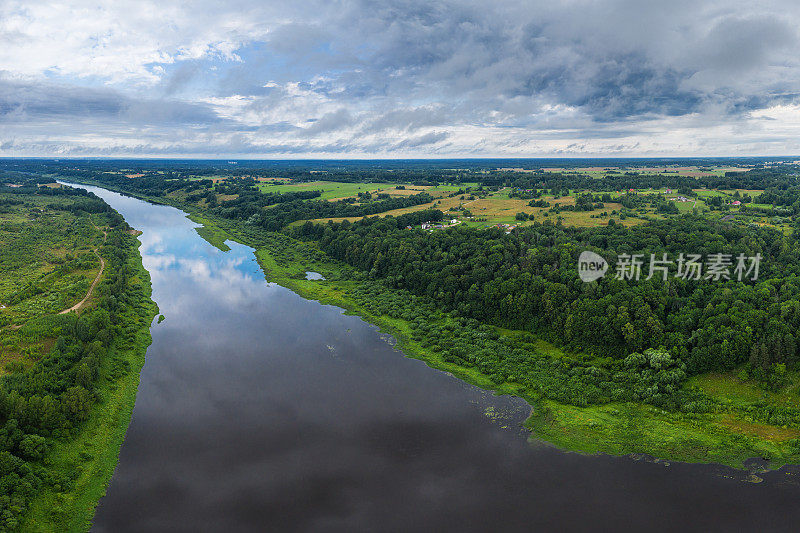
{"points": [[731, 428], [69, 379], [613, 428]]}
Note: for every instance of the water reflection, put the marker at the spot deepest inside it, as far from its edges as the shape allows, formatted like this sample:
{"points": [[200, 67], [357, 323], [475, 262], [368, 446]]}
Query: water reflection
{"points": [[261, 411]]}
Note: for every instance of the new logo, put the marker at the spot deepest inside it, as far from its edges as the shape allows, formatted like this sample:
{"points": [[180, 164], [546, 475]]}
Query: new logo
{"points": [[591, 266]]}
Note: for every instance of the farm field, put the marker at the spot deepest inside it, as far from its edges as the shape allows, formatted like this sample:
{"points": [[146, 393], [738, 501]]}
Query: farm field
{"points": [[499, 208], [479, 206], [332, 190]]}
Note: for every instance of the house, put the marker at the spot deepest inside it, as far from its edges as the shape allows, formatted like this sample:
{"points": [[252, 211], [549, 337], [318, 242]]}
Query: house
{"points": [[736, 202]]}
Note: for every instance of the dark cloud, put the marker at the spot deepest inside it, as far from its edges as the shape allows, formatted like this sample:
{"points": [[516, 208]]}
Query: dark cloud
{"points": [[333, 121], [408, 119], [182, 76], [743, 43], [31, 102], [575, 54], [422, 140]]}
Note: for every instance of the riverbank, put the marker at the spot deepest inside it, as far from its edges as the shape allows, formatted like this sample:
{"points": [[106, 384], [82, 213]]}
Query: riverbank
{"points": [[724, 436], [88, 460]]}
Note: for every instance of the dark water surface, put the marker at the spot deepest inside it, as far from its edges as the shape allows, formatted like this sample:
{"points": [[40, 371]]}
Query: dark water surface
{"points": [[261, 411]]}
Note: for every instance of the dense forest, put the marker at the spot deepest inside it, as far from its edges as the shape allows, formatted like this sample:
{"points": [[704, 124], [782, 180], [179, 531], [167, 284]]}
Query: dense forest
{"points": [[528, 280]]}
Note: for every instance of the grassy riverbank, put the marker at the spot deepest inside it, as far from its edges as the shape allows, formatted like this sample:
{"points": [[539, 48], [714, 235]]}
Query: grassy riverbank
{"points": [[729, 434]]}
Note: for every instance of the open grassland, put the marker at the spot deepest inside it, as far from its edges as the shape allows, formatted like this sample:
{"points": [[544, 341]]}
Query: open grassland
{"points": [[333, 190], [488, 209], [330, 189], [729, 387]]}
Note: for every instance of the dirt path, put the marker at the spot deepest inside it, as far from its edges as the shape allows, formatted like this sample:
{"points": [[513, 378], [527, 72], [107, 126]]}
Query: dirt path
{"points": [[80, 304]]}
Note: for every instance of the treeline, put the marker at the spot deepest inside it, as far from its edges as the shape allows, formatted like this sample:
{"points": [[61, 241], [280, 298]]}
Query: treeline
{"points": [[248, 201], [417, 172], [652, 376], [285, 213], [758, 179]]}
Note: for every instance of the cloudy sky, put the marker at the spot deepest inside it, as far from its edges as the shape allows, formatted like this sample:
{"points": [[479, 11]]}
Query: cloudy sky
{"points": [[403, 78]]}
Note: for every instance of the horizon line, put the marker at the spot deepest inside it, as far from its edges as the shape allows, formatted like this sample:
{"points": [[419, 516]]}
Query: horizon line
{"points": [[453, 158]]}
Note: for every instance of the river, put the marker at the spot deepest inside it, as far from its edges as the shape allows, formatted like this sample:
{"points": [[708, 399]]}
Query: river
{"points": [[259, 410]]}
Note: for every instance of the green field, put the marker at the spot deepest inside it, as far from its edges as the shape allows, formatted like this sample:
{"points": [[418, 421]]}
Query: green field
{"points": [[336, 190], [330, 189]]}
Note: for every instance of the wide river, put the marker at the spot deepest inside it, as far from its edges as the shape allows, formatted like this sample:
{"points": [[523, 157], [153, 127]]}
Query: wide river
{"points": [[259, 410]]}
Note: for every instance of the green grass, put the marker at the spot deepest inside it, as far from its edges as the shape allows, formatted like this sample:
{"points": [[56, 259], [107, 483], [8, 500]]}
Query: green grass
{"points": [[623, 429], [330, 189], [688, 207], [708, 193], [729, 388], [214, 237], [333, 189]]}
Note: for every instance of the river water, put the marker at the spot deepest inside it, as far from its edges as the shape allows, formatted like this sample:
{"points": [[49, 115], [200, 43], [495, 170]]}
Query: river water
{"points": [[259, 410]]}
